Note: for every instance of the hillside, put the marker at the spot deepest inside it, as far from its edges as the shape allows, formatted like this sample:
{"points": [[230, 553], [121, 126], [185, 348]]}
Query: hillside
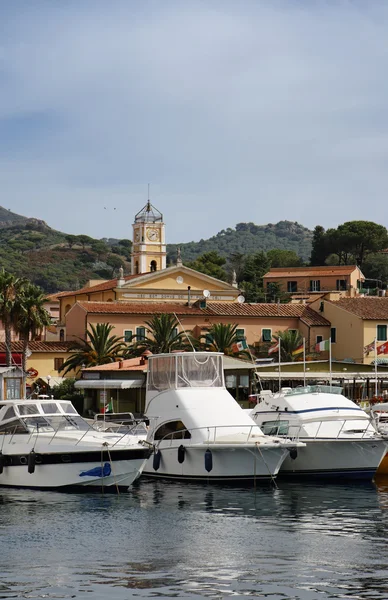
{"points": [[247, 238], [57, 261]]}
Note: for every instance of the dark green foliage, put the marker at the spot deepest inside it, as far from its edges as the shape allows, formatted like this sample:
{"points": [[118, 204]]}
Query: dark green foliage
{"points": [[210, 263], [162, 336], [351, 242], [248, 238]]}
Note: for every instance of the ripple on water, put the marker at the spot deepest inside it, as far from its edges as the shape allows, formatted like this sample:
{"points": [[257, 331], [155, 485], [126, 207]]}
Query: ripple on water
{"points": [[170, 540]]}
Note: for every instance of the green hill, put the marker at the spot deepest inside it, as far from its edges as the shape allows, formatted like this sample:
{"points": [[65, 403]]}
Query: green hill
{"points": [[247, 238], [57, 261]]}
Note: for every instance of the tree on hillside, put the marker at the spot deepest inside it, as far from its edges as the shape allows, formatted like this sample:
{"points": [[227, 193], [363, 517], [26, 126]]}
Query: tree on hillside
{"points": [[71, 240], [99, 348], [283, 258], [318, 250], [10, 288], [84, 240], [210, 263], [255, 267], [30, 315]]}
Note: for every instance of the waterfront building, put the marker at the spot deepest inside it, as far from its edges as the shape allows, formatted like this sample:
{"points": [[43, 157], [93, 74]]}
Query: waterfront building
{"points": [[305, 283]]}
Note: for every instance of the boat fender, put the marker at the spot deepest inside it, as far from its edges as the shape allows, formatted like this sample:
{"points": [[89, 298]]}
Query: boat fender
{"points": [[208, 460], [293, 453], [31, 462], [2, 462], [181, 454], [156, 460]]}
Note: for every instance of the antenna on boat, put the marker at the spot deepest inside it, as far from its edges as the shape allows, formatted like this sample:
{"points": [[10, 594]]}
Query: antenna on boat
{"points": [[185, 332]]}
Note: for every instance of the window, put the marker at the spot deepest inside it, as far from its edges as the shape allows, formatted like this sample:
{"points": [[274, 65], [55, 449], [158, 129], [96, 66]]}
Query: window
{"points": [[381, 333], [175, 430], [240, 334], [208, 339], [140, 333], [61, 335], [293, 331], [319, 339], [58, 362], [174, 333], [136, 267], [153, 266], [315, 285], [266, 335], [12, 388], [274, 427], [341, 284], [127, 335], [333, 335], [292, 286]]}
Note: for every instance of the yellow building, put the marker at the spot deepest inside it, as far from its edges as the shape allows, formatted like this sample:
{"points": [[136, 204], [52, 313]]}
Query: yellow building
{"points": [[356, 323]]}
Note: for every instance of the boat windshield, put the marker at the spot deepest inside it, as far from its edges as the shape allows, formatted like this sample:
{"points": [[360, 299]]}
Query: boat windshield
{"points": [[313, 389], [185, 370], [55, 423]]}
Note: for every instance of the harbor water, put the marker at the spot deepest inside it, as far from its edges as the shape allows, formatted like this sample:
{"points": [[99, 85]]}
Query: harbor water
{"points": [[173, 540]]}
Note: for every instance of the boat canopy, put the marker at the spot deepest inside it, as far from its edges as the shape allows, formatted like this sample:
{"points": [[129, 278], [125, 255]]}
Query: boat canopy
{"points": [[185, 370]]}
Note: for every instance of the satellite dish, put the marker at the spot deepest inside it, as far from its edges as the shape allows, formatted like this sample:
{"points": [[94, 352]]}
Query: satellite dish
{"points": [[206, 293], [240, 299], [179, 279]]}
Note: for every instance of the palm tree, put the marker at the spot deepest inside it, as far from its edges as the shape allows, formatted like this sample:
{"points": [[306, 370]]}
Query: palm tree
{"points": [[290, 340], [99, 348], [10, 287], [222, 337], [163, 336], [30, 315]]}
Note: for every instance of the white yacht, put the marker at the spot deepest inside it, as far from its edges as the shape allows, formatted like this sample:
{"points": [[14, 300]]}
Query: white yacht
{"points": [[198, 430], [341, 441], [47, 444]]}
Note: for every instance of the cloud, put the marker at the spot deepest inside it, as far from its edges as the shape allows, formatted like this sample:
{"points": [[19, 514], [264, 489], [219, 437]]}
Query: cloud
{"points": [[233, 111]]}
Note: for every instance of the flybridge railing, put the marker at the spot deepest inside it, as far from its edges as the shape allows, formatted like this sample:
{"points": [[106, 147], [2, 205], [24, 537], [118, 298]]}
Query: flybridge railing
{"points": [[294, 432], [218, 434]]}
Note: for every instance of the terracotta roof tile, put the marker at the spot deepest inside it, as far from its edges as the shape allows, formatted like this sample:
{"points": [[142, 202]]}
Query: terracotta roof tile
{"points": [[372, 308], [38, 346], [100, 287], [309, 271], [213, 309], [306, 314], [129, 364], [141, 308]]}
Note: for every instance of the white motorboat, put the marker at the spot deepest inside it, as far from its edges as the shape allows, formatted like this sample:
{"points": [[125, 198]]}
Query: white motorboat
{"points": [[47, 444], [341, 441], [198, 430]]}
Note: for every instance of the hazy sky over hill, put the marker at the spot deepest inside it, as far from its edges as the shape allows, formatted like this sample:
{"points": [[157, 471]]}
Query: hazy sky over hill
{"points": [[248, 110]]}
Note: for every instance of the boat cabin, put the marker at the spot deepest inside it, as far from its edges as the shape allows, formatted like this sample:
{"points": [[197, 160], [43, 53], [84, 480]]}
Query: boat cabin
{"points": [[185, 370], [35, 416]]}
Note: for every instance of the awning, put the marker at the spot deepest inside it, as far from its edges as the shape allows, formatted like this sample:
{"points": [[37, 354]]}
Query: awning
{"points": [[109, 384]]}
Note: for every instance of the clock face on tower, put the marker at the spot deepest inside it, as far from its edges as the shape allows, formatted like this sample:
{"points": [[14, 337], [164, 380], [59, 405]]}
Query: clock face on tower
{"points": [[153, 235]]}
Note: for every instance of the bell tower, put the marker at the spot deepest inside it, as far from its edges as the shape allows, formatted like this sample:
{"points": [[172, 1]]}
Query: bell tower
{"points": [[148, 243]]}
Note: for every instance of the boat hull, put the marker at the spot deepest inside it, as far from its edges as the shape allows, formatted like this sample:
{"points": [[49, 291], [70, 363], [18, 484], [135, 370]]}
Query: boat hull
{"points": [[227, 463], [335, 459], [88, 469]]}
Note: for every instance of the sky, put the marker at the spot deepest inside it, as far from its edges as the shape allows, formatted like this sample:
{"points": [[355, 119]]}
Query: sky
{"points": [[233, 111]]}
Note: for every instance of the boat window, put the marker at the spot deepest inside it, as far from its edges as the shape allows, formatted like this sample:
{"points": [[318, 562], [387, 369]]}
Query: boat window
{"points": [[67, 423], [68, 408], [199, 370], [174, 430], [28, 409], [12, 427], [37, 424], [9, 413], [274, 427], [162, 373], [51, 407]]}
